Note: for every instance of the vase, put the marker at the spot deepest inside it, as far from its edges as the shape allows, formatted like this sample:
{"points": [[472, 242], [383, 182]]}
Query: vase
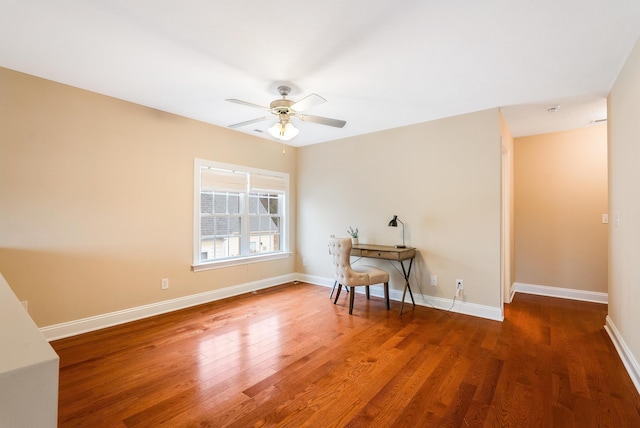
{"points": [[354, 241]]}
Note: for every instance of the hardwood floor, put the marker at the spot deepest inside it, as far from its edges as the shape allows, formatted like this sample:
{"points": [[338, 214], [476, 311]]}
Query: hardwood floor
{"points": [[289, 357]]}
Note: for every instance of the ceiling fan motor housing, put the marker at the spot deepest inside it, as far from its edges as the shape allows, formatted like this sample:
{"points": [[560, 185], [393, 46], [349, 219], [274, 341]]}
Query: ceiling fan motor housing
{"points": [[282, 107]]}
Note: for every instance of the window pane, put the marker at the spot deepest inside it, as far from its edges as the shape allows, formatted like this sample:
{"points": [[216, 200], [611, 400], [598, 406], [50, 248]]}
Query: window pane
{"points": [[253, 203], [254, 224], [234, 246], [273, 205], [221, 225], [206, 203], [235, 225], [234, 203], [274, 224], [207, 249], [206, 226], [263, 206], [220, 203]]}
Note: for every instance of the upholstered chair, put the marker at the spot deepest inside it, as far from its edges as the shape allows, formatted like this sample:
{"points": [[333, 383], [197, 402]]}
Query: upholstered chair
{"points": [[362, 275]]}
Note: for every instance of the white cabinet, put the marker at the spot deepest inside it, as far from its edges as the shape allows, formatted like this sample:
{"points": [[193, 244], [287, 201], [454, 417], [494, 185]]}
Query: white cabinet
{"points": [[28, 368]]}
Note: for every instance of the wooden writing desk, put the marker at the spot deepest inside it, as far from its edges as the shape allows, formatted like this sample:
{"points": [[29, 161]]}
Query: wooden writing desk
{"points": [[391, 253]]}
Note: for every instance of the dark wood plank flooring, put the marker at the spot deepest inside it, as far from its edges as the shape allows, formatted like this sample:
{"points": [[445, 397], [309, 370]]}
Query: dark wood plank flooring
{"points": [[288, 357]]}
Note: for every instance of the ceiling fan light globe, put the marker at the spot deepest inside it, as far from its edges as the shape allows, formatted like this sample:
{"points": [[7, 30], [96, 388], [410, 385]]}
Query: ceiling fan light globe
{"points": [[274, 130], [283, 132], [290, 131]]}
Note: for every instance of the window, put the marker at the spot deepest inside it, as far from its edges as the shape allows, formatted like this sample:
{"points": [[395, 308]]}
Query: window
{"points": [[240, 214]]}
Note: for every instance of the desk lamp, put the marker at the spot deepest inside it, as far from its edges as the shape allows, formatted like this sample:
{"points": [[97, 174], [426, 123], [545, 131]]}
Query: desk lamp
{"points": [[394, 223]]}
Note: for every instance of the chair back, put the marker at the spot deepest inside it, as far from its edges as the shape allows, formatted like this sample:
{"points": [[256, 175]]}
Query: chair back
{"points": [[340, 250]]}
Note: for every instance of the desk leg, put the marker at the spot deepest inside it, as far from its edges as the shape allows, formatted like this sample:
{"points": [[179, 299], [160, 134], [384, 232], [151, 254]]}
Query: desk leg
{"points": [[406, 274]]}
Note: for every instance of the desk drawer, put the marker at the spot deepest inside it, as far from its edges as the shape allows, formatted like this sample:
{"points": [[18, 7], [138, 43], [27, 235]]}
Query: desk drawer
{"points": [[391, 255]]}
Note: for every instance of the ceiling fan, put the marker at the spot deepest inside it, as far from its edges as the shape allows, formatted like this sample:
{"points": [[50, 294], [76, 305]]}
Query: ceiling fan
{"points": [[285, 109]]}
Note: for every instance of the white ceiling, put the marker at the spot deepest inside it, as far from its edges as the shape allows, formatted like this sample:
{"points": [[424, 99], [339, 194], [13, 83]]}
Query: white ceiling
{"points": [[380, 64]]}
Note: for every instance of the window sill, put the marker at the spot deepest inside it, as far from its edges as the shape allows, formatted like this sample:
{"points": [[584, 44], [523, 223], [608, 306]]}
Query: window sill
{"points": [[239, 261]]}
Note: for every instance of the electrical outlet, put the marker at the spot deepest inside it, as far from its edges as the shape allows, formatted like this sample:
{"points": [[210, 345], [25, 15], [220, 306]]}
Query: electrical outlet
{"points": [[434, 280], [459, 284], [304, 261], [165, 283]]}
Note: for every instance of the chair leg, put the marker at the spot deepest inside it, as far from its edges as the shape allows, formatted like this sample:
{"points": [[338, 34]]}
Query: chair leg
{"points": [[338, 293], [333, 289], [368, 295], [386, 294], [351, 297]]}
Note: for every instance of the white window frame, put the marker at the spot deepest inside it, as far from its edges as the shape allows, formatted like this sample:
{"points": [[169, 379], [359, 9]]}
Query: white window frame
{"points": [[243, 258]]}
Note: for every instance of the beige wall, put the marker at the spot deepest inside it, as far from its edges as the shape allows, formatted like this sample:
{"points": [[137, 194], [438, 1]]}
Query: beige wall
{"points": [[560, 196], [441, 178], [96, 200], [624, 198], [508, 231]]}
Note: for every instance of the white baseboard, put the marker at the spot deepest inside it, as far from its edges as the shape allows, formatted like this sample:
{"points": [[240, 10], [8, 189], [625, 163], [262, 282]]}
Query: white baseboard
{"points": [[85, 325], [72, 328], [512, 292], [563, 293], [458, 306], [317, 280], [629, 361]]}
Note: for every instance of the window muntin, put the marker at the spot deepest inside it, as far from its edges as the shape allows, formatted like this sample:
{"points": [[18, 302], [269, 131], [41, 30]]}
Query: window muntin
{"points": [[240, 212]]}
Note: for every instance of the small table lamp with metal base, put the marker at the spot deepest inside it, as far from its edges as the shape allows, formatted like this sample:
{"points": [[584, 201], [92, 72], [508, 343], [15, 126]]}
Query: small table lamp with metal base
{"points": [[394, 223]]}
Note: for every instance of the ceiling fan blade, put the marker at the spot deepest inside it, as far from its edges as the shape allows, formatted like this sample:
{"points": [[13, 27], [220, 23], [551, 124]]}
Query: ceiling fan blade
{"points": [[308, 102], [322, 120], [249, 122], [248, 104]]}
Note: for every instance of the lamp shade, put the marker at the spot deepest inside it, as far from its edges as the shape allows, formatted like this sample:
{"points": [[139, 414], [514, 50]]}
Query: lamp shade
{"points": [[283, 131], [394, 221]]}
